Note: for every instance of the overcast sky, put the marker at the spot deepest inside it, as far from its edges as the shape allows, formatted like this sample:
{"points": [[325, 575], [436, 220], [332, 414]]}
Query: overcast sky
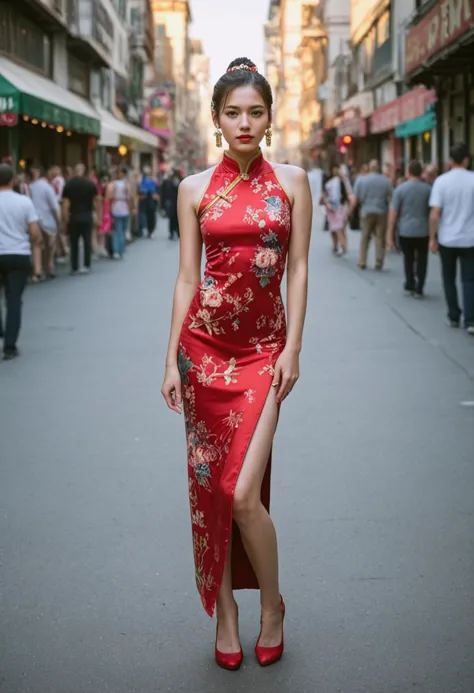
{"points": [[229, 33]]}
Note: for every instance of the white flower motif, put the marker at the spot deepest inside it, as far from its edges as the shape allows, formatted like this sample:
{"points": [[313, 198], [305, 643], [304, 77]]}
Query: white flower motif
{"points": [[250, 395]]}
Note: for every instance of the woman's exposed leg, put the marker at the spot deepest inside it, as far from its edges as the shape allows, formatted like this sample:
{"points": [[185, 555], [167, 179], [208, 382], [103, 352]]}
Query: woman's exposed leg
{"points": [[341, 235], [334, 241], [226, 607], [37, 249], [255, 524]]}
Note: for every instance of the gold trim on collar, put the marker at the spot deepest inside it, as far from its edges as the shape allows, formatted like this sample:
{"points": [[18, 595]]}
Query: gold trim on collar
{"points": [[243, 169], [243, 175]]}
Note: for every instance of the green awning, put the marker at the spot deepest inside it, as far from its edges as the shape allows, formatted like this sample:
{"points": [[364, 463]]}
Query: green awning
{"points": [[28, 94], [416, 126]]}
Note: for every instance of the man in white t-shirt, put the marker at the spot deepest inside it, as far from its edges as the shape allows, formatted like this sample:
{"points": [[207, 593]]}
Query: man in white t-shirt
{"points": [[47, 207], [452, 232], [18, 226]]}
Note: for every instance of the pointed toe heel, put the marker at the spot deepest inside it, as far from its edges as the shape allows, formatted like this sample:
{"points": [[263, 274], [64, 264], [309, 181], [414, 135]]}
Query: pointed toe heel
{"points": [[231, 661], [270, 655], [228, 660]]}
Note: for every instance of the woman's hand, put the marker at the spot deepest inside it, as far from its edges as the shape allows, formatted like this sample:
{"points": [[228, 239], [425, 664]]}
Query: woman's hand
{"points": [[171, 389], [287, 372]]}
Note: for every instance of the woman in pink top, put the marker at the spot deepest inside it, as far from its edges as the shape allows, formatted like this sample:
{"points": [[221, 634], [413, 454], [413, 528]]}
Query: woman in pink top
{"points": [[119, 196]]}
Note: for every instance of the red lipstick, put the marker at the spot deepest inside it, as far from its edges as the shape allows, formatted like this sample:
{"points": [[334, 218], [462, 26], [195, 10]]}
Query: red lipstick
{"points": [[245, 138]]}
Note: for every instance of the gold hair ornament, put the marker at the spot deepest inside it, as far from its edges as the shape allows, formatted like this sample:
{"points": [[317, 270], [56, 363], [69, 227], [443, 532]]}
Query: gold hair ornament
{"points": [[242, 66]]}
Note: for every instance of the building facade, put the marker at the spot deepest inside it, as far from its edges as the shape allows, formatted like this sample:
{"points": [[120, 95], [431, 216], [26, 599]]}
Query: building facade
{"points": [[172, 19], [68, 78], [296, 67], [438, 46], [200, 95]]}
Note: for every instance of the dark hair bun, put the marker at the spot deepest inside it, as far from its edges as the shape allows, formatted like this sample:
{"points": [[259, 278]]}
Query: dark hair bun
{"points": [[241, 61]]}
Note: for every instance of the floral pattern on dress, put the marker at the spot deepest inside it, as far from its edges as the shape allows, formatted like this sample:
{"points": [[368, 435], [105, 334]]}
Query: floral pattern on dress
{"points": [[266, 258]]}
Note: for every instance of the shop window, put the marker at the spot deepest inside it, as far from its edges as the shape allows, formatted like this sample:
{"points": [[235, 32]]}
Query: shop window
{"points": [[383, 28], [24, 40], [78, 77], [122, 8], [136, 20]]}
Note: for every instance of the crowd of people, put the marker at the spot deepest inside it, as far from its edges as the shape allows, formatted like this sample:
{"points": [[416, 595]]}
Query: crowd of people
{"points": [[45, 216], [411, 214]]}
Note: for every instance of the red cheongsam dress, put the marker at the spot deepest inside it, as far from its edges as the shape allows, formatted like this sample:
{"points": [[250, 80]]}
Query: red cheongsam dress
{"points": [[231, 337]]}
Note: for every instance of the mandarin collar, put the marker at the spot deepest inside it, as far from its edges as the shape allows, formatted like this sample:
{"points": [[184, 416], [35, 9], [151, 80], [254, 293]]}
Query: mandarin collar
{"points": [[230, 164]]}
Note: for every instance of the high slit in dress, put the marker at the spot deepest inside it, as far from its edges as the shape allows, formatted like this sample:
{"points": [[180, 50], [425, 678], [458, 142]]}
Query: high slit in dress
{"points": [[232, 335]]}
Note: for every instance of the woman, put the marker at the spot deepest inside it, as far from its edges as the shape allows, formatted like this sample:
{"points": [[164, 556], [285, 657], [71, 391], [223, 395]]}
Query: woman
{"points": [[230, 360], [105, 227], [335, 199], [119, 194]]}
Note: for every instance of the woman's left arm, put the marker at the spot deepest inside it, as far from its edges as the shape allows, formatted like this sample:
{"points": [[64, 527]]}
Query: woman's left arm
{"points": [[287, 365]]}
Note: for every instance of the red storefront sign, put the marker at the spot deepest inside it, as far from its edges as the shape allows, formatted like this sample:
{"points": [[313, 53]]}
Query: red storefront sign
{"points": [[411, 105], [8, 119], [447, 21]]}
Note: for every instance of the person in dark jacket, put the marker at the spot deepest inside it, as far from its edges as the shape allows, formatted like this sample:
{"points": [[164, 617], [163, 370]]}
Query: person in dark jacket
{"points": [[169, 197]]}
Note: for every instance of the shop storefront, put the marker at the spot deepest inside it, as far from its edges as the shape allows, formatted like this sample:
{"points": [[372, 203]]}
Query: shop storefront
{"points": [[396, 123], [311, 149], [31, 104], [439, 47], [121, 142], [352, 129]]}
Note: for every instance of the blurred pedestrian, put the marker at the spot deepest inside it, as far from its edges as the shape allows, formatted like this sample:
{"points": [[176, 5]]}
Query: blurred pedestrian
{"points": [[133, 229], [389, 172], [97, 215], [148, 196], [105, 227], [79, 205], [21, 183], [409, 207], [452, 233], [18, 231], [354, 207], [169, 194], [58, 182], [373, 192], [119, 194], [47, 208], [336, 199], [429, 173]]}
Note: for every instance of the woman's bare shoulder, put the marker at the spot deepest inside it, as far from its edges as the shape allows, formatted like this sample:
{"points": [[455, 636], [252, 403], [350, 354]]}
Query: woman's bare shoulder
{"points": [[292, 173], [195, 186], [291, 178]]}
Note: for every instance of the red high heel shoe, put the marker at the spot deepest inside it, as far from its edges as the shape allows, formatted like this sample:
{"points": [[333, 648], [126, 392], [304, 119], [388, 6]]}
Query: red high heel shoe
{"points": [[270, 655], [228, 660]]}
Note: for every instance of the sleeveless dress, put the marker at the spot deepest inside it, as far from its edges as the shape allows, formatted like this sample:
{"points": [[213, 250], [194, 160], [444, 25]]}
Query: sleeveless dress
{"points": [[231, 337]]}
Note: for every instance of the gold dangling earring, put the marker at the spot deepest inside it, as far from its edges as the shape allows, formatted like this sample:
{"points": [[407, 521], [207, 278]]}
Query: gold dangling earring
{"points": [[268, 137], [218, 136]]}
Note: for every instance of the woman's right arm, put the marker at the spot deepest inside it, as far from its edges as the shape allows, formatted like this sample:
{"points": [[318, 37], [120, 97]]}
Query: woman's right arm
{"points": [[189, 277]]}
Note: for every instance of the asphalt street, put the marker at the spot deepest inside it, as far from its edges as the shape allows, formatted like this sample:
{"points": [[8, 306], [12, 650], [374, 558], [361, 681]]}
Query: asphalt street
{"points": [[373, 493]]}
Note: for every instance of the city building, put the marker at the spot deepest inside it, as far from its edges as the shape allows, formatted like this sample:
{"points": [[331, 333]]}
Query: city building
{"points": [[45, 112], [274, 75], [306, 42], [313, 53], [295, 45], [172, 19], [65, 72], [201, 140], [438, 46]]}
